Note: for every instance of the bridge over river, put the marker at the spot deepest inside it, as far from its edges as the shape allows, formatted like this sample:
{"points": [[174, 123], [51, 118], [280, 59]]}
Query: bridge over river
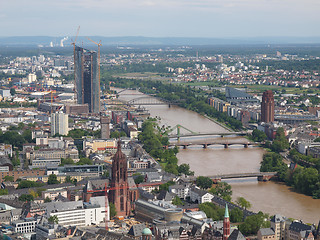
{"points": [[208, 141], [262, 176]]}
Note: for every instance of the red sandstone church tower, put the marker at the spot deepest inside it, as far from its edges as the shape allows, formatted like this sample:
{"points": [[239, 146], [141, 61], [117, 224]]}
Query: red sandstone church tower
{"points": [[226, 224], [119, 189], [267, 107]]}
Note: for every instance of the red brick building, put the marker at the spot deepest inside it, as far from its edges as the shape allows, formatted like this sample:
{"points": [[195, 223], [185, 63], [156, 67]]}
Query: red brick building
{"points": [[122, 195], [267, 107]]}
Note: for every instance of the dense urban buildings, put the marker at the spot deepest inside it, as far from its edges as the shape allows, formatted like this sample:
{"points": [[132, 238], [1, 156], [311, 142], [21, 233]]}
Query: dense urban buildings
{"points": [[267, 107], [87, 78], [62, 187]]}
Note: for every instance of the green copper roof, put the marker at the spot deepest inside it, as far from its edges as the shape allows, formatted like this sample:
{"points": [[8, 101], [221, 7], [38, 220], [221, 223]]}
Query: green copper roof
{"points": [[146, 231], [226, 213]]}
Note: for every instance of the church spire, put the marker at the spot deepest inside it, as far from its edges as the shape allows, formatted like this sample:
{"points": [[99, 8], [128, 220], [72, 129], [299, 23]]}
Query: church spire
{"points": [[226, 224], [226, 212]]}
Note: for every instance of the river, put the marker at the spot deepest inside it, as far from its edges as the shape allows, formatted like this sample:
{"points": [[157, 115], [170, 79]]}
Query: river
{"points": [[269, 197]]}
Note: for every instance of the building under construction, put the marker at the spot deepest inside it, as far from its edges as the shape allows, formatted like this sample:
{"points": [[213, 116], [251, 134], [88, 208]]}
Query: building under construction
{"points": [[87, 84]]}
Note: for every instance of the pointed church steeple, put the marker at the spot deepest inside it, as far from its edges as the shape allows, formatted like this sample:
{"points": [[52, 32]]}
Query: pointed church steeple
{"points": [[226, 224], [226, 213]]}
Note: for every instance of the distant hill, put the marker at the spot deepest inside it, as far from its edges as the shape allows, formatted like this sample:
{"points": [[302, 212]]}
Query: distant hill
{"points": [[46, 41]]}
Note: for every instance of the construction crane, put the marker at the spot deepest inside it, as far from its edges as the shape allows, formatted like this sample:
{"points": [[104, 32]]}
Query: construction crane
{"points": [[106, 189], [99, 44], [74, 59]]}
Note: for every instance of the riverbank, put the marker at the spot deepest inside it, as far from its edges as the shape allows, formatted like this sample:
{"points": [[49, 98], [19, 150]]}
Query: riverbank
{"points": [[269, 197], [220, 124]]}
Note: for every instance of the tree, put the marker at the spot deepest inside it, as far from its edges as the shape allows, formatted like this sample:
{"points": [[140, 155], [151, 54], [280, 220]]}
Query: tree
{"points": [[242, 202], [12, 91], [236, 215], [84, 161], [117, 134], [272, 162], [52, 179], [280, 142], [306, 180], [177, 201], [40, 190], [28, 184], [166, 186], [27, 135], [212, 211], [26, 198], [4, 192], [171, 168], [258, 136], [253, 223], [47, 199], [204, 182], [185, 169], [9, 178], [66, 161], [113, 211], [33, 193], [223, 190], [139, 179], [68, 179], [53, 219]]}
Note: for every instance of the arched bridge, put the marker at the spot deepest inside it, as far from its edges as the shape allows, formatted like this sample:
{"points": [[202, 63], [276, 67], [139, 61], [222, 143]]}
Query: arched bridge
{"points": [[148, 100], [145, 100]]}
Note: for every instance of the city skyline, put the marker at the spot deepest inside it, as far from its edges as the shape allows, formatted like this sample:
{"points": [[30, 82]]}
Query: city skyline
{"points": [[177, 18]]}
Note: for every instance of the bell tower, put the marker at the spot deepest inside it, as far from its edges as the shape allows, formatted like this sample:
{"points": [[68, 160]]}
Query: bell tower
{"points": [[119, 183], [226, 224]]}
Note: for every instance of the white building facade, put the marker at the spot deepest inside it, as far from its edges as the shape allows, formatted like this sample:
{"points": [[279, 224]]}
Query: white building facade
{"points": [[59, 123]]}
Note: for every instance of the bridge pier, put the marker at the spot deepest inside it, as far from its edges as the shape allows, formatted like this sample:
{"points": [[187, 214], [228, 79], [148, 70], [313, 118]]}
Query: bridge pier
{"points": [[246, 145], [226, 145], [205, 145], [264, 178], [184, 146]]}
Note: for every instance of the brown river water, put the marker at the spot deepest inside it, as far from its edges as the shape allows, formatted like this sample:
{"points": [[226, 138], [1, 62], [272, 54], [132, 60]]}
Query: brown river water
{"points": [[269, 197]]}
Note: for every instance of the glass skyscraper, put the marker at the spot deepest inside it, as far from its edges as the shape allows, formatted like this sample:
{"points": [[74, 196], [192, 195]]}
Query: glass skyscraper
{"points": [[87, 82]]}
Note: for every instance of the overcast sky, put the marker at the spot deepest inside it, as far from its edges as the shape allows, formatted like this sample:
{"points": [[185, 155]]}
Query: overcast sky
{"points": [[160, 18]]}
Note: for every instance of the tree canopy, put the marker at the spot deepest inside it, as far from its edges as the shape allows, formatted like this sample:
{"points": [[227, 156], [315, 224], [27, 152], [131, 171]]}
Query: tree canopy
{"points": [[204, 182], [52, 179], [223, 190]]}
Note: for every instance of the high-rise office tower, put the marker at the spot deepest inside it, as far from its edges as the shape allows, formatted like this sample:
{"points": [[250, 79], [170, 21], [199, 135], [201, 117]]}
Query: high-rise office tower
{"points": [[87, 82], [105, 128], [59, 123], [267, 107]]}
